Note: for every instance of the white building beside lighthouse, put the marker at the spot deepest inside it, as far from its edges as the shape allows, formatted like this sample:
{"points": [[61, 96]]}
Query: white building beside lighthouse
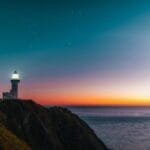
{"points": [[13, 93]]}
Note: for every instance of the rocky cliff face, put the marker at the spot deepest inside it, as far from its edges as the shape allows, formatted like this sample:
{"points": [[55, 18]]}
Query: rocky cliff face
{"points": [[8, 141], [47, 129]]}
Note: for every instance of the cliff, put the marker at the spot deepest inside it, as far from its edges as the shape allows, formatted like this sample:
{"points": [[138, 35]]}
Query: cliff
{"points": [[9, 141], [36, 127]]}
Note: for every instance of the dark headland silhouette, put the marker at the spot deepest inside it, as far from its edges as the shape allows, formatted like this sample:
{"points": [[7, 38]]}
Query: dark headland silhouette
{"points": [[26, 125]]}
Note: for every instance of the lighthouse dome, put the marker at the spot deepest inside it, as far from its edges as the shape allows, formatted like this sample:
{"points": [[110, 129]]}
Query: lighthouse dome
{"points": [[15, 76]]}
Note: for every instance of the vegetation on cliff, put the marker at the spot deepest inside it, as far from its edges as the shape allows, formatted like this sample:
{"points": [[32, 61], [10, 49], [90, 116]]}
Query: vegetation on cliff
{"points": [[8, 141]]}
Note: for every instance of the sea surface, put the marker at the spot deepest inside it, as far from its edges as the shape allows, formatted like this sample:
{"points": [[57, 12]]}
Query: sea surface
{"points": [[120, 128]]}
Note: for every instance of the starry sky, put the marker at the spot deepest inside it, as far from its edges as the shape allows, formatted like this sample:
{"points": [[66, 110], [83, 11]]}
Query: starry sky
{"points": [[77, 52]]}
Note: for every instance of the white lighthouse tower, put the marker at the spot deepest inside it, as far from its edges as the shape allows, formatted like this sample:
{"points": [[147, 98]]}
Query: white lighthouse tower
{"points": [[15, 79], [13, 94]]}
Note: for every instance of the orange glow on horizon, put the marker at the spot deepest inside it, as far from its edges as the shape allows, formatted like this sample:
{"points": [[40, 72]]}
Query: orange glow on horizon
{"points": [[87, 95], [88, 100], [130, 92]]}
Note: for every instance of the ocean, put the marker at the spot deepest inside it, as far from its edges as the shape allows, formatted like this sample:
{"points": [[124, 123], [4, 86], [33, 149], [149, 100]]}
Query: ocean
{"points": [[120, 128]]}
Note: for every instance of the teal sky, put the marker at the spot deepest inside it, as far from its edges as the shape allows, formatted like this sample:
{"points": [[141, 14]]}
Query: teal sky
{"points": [[55, 40]]}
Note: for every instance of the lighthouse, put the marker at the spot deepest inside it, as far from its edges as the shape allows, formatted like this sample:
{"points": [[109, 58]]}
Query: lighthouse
{"points": [[13, 94], [15, 79]]}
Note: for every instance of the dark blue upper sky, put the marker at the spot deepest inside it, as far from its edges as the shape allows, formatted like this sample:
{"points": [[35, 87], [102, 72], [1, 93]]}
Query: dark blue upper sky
{"points": [[74, 38]]}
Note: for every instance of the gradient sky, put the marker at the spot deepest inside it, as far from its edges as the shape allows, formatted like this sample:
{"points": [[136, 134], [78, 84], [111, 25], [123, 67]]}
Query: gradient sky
{"points": [[77, 52]]}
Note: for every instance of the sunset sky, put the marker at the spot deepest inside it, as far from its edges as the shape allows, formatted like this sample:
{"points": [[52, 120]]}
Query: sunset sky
{"points": [[77, 52]]}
